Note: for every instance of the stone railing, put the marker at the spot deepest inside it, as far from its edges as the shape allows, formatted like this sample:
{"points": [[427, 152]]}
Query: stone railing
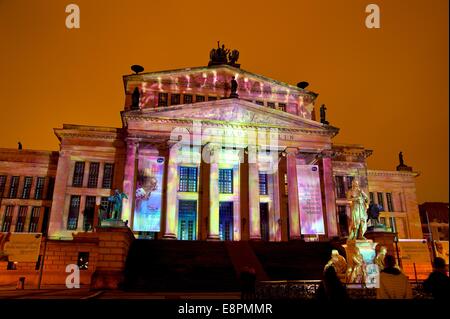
{"points": [[307, 289]]}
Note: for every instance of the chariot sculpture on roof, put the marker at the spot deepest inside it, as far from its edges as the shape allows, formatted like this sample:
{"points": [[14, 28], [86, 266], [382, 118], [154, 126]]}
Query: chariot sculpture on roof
{"points": [[221, 55]]}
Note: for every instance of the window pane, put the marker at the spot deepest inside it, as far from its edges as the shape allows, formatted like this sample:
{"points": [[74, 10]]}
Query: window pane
{"points": [[39, 188], [389, 202], [380, 201], [212, 98], [259, 102], [271, 105], [72, 222], [34, 221], [282, 106], [93, 175], [340, 188], [174, 99], [2, 184], [7, 219], [199, 98], [14, 186], [262, 183], [78, 174], [89, 210], [162, 99], [27, 187], [226, 181], [187, 98], [108, 174], [21, 218], [188, 179]]}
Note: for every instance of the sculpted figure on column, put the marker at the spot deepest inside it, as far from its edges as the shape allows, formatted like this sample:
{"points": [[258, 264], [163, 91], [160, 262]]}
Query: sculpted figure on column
{"points": [[359, 202]]}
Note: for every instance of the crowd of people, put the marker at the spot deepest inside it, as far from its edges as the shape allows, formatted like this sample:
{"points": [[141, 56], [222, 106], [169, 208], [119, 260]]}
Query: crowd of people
{"points": [[393, 283]]}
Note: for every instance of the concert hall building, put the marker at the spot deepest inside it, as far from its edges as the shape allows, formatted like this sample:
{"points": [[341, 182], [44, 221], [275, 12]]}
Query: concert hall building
{"points": [[277, 174], [198, 165]]}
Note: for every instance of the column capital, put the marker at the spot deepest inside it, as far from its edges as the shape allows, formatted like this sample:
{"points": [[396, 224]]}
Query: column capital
{"points": [[292, 150], [326, 154]]}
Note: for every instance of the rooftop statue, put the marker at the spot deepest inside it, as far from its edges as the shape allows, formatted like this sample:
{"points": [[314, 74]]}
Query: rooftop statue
{"points": [[234, 87], [323, 115], [221, 55], [402, 166]]}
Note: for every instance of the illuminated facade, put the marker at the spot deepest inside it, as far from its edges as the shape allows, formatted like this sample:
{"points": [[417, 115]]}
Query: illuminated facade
{"points": [[198, 165]]}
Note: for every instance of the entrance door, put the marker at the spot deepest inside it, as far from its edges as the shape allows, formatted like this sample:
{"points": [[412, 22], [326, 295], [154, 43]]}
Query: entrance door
{"points": [[264, 220], [187, 219], [226, 220]]}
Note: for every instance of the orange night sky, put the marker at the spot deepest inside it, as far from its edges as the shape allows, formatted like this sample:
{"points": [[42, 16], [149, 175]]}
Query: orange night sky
{"points": [[384, 88]]}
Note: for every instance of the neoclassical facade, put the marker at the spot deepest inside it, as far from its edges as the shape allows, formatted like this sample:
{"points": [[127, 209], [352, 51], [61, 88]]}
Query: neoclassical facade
{"points": [[196, 164]]}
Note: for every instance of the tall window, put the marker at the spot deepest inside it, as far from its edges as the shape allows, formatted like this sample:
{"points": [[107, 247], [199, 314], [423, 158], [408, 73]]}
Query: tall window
{"points": [[390, 205], [187, 98], [20, 225], [34, 221], [282, 106], [50, 188], [88, 220], [188, 179], [162, 99], [340, 188], [27, 187], [226, 181], [372, 197], [2, 184], [72, 221], [199, 98], [7, 220], [175, 99], [78, 173], [108, 173], [39, 191], [14, 187], [271, 105], [349, 180], [93, 175], [263, 184], [104, 207], [380, 200]]}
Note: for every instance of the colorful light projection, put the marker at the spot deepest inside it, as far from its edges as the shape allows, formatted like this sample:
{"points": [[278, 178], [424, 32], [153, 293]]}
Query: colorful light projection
{"points": [[148, 197], [310, 200]]}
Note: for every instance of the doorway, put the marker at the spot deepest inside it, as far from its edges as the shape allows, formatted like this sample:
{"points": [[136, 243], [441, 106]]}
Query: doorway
{"points": [[187, 219], [264, 220], [226, 220]]}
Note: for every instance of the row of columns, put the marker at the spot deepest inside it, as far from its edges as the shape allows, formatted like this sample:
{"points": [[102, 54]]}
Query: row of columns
{"points": [[249, 196]]}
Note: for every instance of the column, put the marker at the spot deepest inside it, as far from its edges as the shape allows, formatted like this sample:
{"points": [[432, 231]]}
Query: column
{"points": [[128, 181], [275, 217], [170, 231], [57, 222], [294, 212], [213, 231], [253, 199], [244, 195], [283, 199], [330, 198]]}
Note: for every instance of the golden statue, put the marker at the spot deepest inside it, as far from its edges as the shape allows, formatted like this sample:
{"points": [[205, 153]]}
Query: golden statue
{"points": [[356, 272], [379, 260], [338, 262], [359, 202]]}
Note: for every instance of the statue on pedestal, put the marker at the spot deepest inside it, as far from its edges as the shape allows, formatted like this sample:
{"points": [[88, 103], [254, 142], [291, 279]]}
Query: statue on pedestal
{"points": [[234, 87], [359, 202], [379, 260], [338, 262], [116, 199], [356, 272], [323, 115]]}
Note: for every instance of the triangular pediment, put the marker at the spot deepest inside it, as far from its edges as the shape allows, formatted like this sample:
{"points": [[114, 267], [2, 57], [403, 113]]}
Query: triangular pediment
{"points": [[234, 112]]}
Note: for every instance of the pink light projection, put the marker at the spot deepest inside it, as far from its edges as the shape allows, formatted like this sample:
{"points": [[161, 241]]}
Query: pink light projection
{"points": [[310, 200]]}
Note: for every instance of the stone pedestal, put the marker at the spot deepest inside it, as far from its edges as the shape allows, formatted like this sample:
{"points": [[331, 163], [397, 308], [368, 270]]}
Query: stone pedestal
{"points": [[112, 223], [113, 246], [367, 250], [383, 238]]}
